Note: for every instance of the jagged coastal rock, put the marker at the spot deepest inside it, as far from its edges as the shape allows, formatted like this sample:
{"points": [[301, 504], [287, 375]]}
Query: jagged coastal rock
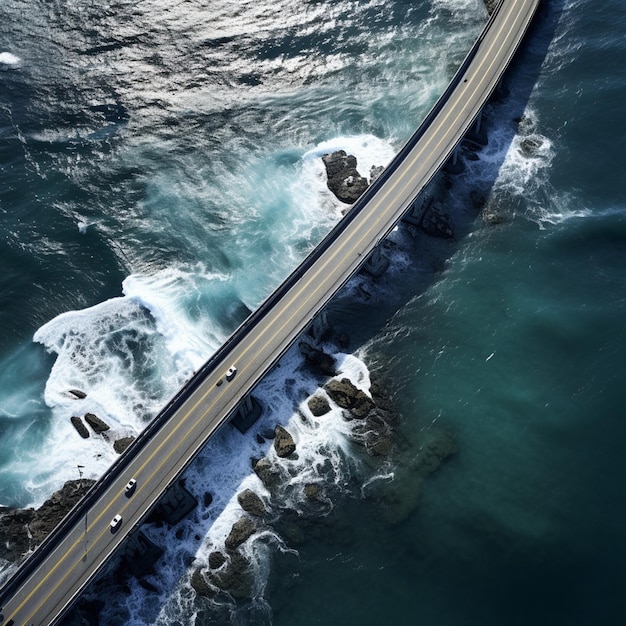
{"points": [[318, 405], [98, 425], [283, 443], [349, 397], [241, 531], [343, 178], [21, 530], [251, 503], [83, 431], [120, 445]]}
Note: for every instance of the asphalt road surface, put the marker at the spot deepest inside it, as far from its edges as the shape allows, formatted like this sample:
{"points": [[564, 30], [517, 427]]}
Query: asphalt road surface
{"points": [[59, 578]]}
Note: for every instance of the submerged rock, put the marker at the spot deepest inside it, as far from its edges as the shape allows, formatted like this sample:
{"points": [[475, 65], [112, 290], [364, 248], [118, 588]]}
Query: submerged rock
{"points": [[437, 447], [343, 178], [99, 426], [283, 443]]}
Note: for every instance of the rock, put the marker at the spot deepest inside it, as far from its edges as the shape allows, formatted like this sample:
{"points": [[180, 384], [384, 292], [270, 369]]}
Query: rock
{"points": [[241, 531], [80, 427], [259, 438], [529, 146], [437, 447], [14, 539], [347, 396], [283, 443], [207, 499], [120, 445], [375, 172], [318, 358], [437, 223], [313, 492], [236, 577], [21, 530], [343, 178], [251, 503], [216, 559], [200, 584], [54, 509], [268, 473], [318, 405], [96, 423], [77, 393]]}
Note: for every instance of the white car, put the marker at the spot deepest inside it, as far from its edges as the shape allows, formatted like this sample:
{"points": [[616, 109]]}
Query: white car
{"points": [[230, 374], [115, 522], [130, 487]]}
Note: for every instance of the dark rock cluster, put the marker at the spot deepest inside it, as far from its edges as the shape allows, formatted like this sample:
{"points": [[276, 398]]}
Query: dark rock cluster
{"points": [[22, 530]]}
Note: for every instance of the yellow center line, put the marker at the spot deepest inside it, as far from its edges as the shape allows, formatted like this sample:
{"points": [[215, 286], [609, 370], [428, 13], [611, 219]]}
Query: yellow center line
{"points": [[403, 183]]}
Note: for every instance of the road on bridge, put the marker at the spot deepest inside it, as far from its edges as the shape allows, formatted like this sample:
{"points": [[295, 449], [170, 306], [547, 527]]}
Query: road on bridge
{"points": [[75, 559]]}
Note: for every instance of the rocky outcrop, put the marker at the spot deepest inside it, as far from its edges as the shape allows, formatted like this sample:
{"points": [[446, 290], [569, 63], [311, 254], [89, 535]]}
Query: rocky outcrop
{"points": [[349, 397], [318, 405], [200, 584], [268, 473], [83, 431], [77, 394], [21, 530], [235, 577], [120, 445], [343, 178], [251, 503], [98, 425], [216, 559], [284, 445], [321, 361], [241, 531]]}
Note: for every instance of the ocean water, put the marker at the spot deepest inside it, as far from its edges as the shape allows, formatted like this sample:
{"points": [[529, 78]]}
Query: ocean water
{"points": [[160, 174]]}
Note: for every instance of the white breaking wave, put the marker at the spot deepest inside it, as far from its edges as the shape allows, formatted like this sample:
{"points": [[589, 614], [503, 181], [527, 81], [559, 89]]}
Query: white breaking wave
{"points": [[7, 58]]}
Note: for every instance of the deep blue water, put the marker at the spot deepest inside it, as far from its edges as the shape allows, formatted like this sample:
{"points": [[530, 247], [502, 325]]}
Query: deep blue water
{"points": [[160, 175]]}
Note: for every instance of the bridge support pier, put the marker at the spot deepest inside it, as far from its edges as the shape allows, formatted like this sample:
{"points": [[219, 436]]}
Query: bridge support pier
{"points": [[454, 164], [419, 206], [140, 554], [248, 412], [318, 329], [477, 136], [175, 504], [376, 264]]}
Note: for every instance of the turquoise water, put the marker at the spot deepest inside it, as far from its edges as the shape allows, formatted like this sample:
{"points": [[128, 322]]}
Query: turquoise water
{"points": [[160, 175]]}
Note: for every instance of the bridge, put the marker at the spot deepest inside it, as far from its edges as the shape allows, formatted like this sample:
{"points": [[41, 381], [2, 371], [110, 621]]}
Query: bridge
{"points": [[48, 582]]}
